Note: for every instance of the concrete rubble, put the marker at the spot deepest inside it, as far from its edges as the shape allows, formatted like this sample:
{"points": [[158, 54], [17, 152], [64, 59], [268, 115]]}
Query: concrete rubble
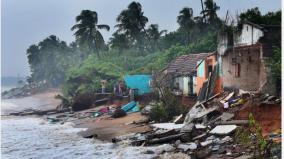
{"points": [[207, 130], [223, 129]]}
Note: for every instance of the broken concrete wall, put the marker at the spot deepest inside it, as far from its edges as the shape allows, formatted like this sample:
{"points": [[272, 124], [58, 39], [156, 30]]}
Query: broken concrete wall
{"points": [[248, 61], [203, 73], [266, 80]]}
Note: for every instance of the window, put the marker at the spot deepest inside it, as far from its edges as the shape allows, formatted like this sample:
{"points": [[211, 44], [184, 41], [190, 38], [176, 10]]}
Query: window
{"points": [[237, 70]]}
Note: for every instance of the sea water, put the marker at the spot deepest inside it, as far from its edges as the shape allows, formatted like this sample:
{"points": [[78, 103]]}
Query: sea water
{"points": [[35, 138]]}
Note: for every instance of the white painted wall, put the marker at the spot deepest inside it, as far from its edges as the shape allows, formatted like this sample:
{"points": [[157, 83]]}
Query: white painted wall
{"points": [[179, 80], [222, 44], [194, 85], [185, 85], [249, 35]]}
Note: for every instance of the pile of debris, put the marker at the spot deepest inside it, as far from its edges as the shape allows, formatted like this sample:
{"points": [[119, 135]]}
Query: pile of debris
{"points": [[23, 91], [17, 92], [207, 130]]}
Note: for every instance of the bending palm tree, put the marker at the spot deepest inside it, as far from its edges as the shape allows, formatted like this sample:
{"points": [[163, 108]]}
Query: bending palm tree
{"points": [[87, 30], [210, 12], [186, 22], [132, 21], [154, 35]]}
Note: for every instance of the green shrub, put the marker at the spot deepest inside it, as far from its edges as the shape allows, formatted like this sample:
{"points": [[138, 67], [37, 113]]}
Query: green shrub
{"points": [[252, 136], [167, 108], [158, 113]]}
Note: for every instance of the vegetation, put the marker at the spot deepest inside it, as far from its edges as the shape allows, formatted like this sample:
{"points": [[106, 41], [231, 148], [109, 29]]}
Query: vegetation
{"points": [[135, 47], [49, 60], [252, 137], [87, 30], [254, 15], [275, 66], [168, 105]]}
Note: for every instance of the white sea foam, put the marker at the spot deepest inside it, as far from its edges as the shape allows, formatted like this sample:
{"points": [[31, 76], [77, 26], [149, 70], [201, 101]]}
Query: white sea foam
{"points": [[31, 137]]}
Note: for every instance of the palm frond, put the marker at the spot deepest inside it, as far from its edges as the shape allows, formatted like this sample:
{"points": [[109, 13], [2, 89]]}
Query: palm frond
{"points": [[103, 26]]}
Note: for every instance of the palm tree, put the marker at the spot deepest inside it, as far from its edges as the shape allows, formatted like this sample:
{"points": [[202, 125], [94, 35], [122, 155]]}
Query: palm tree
{"points": [[154, 35], [186, 22], [87, 30], [131, 22], [210, 12], [119, 41]]}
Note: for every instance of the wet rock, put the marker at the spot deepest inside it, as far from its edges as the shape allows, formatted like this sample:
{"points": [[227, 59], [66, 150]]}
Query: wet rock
{"points": [[187, 146], [235, 155], [200, 126], [244, 157], [229, 153], [186, 137], [149, 152], [184, 147], [61, 116], [203, 153], [222, 151], [227, 116], [192, 146], [174, 156], [227, 139], [215, 148], [164, 148], [177, 142], [207, 142], [212, 137], [146, 110]]}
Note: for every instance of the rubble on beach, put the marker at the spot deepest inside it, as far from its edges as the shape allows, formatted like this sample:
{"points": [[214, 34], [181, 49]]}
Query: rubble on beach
{"points": [[208, 130]]}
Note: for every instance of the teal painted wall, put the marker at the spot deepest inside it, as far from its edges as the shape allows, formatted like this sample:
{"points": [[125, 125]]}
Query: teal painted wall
{"points": [[201, 69]]}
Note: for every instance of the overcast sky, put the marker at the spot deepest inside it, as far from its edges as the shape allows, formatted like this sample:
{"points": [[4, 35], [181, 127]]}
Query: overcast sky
{"points": [[26, 22]]}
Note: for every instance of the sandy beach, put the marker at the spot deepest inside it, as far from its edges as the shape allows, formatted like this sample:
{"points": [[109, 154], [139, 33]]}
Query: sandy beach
{"points": [[104, 126], [42, 101], [35, 137]]}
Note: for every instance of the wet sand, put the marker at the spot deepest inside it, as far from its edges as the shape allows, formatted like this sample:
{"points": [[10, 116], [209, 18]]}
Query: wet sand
{"points": [[107, 128], [104, 126], [41, 101]]}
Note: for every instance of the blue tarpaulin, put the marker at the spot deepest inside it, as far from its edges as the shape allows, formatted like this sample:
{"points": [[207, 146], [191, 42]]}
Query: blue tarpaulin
{"points": [[140, 82], [130, 107]]}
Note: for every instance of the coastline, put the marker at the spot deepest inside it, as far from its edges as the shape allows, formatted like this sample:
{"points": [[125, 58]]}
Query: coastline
{"points": [[41, 101], [105, 127], [40, 138]]}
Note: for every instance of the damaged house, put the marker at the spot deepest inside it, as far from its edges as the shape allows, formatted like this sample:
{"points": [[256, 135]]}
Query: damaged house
{"points": [[209, 81], [183, 73], [242, 55]]}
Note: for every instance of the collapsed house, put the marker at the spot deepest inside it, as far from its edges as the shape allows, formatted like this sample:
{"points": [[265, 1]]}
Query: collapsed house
{"points": [[242, 56], [183, 73], [209, 81]]}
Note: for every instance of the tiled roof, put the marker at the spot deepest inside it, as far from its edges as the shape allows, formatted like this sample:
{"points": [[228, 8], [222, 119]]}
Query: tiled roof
{"points": [[185, 64]]}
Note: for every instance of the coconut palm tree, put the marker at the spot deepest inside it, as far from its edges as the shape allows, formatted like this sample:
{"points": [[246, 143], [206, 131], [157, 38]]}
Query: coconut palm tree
{"points": [[154, 35], [119, 41], [87, 30], [186, 22], [210, 12], [185, 18], [131, 22]]}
